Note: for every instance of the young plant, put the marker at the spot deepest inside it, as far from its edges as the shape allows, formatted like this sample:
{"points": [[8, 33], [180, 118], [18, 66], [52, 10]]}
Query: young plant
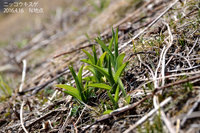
{"points": [[81, 92], [111, 68], [106, 70]]}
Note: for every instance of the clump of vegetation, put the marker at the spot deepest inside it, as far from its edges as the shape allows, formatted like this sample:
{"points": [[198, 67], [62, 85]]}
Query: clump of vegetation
{"points": [[106, 72]]}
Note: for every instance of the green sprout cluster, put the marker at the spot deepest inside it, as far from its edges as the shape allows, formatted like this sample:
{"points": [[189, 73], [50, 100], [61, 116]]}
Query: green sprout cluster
{"points": [[105, 73]]}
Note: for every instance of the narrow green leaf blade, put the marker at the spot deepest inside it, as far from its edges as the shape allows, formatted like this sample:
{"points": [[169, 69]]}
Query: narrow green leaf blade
{"points": [[128, 99], [112, 99], [91, 58], [117, 94], [107, 112], [111, 44], [101, 59], [85, 60], [101, 85], [116, 44], [70, 90], [119, 71], [78, 84], [121, 86], [91, 69], [106, 49], [119, 61], [94, 54], [80, 74], [110, 72]]}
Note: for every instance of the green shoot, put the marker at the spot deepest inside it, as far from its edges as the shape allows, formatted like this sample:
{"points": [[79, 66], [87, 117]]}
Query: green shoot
{"points": [[106, 72]]}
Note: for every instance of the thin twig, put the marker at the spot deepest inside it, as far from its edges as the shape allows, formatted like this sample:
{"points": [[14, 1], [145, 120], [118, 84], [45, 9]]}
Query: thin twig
{"points": [[65, 123], [193, 47], [182, 57], [144, 118], [23, 75], [190, 111], [145, 65], [20, 89], [158, 66], [80, 115], [165, 52], [75, 128], [21, 117], [173, 75], [74, 50], [184, 69], [168, 123]]}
